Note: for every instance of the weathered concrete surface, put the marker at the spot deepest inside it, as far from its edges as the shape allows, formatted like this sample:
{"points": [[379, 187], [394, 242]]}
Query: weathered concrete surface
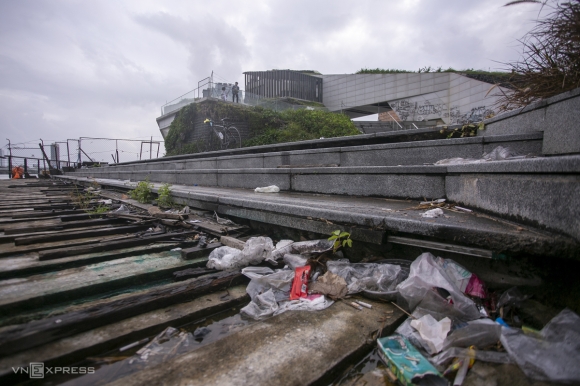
{"points": [[294, 348], [542, 191], [376, 214], [557, 117], [61, 286], [124, 332]]}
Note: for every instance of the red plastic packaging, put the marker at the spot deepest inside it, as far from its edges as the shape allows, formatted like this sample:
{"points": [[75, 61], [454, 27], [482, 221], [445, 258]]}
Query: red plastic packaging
{"points": [[300, 283]]}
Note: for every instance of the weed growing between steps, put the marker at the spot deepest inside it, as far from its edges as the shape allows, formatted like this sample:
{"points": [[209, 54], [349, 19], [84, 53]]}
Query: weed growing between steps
{"points": [[142, 192], [264, 126]]}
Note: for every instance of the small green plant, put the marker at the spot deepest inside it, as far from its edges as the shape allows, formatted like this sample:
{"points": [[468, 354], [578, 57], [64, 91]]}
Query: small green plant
{"points": [[341, 239], [100, 209], [142, 192], [164, 198]]}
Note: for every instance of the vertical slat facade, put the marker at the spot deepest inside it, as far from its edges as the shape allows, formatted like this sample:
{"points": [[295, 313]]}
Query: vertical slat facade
{"points": [[283, 83]]}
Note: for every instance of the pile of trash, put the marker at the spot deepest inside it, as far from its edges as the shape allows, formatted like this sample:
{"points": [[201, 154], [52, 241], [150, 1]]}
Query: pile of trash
{"points": [[499, 153], [453, 319], [454, 322]]}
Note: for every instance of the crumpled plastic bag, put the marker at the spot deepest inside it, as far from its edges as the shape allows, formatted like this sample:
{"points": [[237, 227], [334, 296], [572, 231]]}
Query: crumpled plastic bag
{"points": [[262, 306], [456, 352], [268, 189], [511, 297], [309, 303], [554, 355], [255, 251], [366, 276], [300, 248], [432, 332], [279, 282], [330, 284], [428, 272]]}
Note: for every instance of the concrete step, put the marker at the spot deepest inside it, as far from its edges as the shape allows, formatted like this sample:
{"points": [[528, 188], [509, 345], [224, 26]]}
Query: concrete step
{"points": [[373, 220], [390, 154]]}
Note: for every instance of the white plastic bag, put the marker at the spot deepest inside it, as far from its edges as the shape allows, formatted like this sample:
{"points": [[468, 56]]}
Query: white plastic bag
{"points": [[433, 213], [268, 189], [428, 272]]}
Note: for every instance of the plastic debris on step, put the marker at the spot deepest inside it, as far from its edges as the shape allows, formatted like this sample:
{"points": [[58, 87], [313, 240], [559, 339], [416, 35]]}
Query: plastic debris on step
{"points": [[300, 248], [499, 153], [429, 273], [331, 285], [294, 261], [433, 332], [433, 213], [255, 251], [300, 283], [268, 189], [407, 363], [554, 355], [366, 276]]}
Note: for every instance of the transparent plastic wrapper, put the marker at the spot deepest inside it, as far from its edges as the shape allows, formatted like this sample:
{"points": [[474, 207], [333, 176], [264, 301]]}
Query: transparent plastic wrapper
{"points": [[294, 261], [432, 332], [300, 248], [500, 153], [168, 343], [262, 306], [268, 189], [552, 356], [511, 297], [479, 333], [279, 282], [440, 360], [428, 272], [366, 276], [255, 251]]}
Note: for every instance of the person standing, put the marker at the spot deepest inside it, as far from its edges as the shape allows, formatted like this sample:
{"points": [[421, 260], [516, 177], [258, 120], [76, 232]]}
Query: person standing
{"points": [[224, 94], [235, 91]]}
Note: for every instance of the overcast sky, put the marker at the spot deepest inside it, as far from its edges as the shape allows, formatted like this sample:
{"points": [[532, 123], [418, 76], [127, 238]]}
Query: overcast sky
{"points": [[78, 68]]}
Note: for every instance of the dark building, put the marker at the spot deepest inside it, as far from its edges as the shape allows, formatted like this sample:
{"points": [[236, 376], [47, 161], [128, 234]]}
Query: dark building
{"points": [[284, 83]]}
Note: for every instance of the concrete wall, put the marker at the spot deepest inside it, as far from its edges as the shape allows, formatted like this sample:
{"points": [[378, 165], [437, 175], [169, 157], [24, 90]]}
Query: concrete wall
{"points": [[449, 97]]}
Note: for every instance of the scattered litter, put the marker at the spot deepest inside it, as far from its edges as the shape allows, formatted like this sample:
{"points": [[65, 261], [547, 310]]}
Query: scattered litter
{"points": [[105, 202], [433, 213], [463, 209], [254, 252], [185, 210], [122, 209], [355, 305], [193, 221], [300, 248], [500, 153], [167, 344], [512, 297], [268, 189], [433, 332], [366, 305], [295, 261], [176, 249], [223, 221]]}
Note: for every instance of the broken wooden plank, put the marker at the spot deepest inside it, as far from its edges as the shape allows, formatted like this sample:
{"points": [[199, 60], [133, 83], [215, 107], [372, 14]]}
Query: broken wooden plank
{"points": [[43, 331], [60, 225], [107, 246], [195, 252], [53, 213]]}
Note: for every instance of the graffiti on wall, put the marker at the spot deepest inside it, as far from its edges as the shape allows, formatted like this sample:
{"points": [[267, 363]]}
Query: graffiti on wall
{"points": [[417, 111], [427, 110]]}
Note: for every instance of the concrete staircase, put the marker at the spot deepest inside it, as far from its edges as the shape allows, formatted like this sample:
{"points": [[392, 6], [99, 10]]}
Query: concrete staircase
{"points": [[541, 192]]}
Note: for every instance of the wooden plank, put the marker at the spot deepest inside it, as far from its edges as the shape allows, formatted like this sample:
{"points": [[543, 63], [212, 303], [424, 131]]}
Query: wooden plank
{"points": [[191, 273], [195, 252], [62, 225], [39, 332], [12, 250], [56, 213], [107, 246], [28, 240]]}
